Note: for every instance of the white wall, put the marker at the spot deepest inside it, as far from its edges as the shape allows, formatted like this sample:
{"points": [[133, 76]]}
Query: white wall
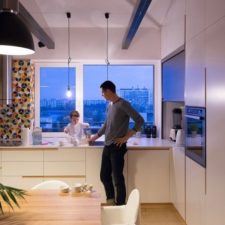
{"points": [[173, 28], [90, 44]]}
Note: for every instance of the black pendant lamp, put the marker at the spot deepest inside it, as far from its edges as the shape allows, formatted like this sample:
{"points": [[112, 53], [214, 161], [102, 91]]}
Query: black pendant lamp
{"points": [[15, 37], [68, 92]]}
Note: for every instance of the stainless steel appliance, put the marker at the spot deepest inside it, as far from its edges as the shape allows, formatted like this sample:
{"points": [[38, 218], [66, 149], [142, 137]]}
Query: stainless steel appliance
{"points": [[195, 134]]}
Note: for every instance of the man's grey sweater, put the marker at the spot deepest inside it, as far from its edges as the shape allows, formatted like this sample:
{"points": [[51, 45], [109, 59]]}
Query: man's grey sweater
{"points": [[117, 121]]}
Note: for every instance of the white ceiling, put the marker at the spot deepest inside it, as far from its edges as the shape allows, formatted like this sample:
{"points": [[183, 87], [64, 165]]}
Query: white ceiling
{"points": [[90, 13]]}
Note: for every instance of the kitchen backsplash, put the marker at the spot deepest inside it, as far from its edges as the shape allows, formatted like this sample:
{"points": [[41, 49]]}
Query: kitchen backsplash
{"points": [[21, 111]]}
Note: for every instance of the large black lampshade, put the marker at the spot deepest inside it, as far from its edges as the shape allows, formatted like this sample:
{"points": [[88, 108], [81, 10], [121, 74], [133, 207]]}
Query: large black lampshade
{"points": [[15, 37]]}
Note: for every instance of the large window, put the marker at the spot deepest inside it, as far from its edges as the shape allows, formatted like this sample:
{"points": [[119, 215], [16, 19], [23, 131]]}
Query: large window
{"points": [[55, 107], [134, 83]]}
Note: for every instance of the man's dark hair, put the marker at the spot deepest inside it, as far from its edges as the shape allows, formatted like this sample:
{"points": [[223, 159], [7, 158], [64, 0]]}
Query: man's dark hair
{"points": [[108, 85]]}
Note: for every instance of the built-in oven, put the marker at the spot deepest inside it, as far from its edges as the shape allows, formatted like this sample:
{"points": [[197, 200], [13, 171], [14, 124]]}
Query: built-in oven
{"points": [[195, 134]]}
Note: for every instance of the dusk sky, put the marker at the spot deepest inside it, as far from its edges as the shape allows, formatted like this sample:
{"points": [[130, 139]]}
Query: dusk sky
{"points": [[54, 80]]}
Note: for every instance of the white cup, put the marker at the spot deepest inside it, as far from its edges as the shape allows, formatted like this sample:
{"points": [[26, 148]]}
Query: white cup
{"points": [[77, 188], [64, 189]]}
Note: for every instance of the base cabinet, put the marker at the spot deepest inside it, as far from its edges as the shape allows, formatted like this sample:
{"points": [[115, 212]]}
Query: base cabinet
{"points": [[148, 170], [93, 165], [67, 165], [195, 193], [177, 177], [22, 169]]}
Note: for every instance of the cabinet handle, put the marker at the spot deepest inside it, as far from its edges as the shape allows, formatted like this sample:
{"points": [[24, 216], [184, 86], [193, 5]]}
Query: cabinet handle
{"points": [[56, 176], [205, 78]]}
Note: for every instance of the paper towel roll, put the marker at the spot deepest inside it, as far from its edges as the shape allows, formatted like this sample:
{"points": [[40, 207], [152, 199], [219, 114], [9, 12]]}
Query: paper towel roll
{"points": [[25, 136], [180, 138]]}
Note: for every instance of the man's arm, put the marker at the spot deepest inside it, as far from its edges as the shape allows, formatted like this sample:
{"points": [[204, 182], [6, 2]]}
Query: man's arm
{"points": [[100, 132]]}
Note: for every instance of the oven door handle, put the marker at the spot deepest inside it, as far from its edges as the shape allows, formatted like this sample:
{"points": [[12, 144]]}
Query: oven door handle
{"points": [[194, 117]]}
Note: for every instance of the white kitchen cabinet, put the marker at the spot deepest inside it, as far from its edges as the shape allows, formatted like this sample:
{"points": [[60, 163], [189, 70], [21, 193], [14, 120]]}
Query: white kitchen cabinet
{"points": [[177, 179], [215, 10], [195, 193], [195, 71], [195, 17], [149, 171], [215, 59], [22, 168], [65, 164], [93, 166]]}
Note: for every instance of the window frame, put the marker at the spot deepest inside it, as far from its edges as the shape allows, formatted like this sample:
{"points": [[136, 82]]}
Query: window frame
{"points": [[79, 88]]}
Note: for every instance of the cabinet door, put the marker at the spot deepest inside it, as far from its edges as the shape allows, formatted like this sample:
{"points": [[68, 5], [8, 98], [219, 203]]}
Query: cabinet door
{"points": [[195, 193], [215, 10], [93, 165], [148, 171], [22, 168], [173, 74], [67, 165], [195, 18], [215, 59], [178, 179], [195, 71]]}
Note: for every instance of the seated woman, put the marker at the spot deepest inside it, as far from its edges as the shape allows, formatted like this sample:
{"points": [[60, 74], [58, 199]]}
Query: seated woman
{"points": [[75, 128]]}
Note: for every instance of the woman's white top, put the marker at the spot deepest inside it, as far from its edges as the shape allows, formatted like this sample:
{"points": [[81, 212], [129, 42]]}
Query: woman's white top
{"points": [[76, 130]]}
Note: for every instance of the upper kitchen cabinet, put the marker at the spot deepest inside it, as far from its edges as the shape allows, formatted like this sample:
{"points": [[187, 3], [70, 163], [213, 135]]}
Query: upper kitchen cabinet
{"points": [[195, 17], [195, 71], [173, 74], [215, 10]]}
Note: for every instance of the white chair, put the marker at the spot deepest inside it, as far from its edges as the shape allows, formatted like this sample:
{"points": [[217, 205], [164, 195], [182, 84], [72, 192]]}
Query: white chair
{"points": [[50, 184], [124, 214]]}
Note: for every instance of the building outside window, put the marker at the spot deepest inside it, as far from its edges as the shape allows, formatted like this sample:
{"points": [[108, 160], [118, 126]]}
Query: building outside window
{"points": [[55, 107]]}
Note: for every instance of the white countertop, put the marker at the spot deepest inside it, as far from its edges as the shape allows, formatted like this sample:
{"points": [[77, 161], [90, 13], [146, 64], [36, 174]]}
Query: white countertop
{"points": [[135, 143]]}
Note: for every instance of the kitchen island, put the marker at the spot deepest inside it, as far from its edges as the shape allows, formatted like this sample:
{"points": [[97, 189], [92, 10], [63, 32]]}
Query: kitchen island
{"points": [[147, 166]]}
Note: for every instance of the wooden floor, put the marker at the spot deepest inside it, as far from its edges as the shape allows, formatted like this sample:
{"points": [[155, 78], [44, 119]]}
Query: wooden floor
{"points": [[160, 214]]}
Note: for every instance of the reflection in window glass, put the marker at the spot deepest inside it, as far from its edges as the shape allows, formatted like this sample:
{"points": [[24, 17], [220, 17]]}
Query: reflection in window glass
{"points": [[55, 107], [133, 82]]}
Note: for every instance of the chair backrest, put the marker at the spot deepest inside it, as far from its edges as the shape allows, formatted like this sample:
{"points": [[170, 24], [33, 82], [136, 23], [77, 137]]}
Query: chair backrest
{"points": [[132, 206], [50, 184]]}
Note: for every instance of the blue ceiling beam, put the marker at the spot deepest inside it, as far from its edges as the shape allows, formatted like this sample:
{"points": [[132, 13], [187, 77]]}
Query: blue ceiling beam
{"points": [[135, 21]]}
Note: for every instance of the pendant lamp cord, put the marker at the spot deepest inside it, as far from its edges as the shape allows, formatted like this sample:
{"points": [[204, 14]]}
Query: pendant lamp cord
{"points": [[68, 14], [107, 43]]}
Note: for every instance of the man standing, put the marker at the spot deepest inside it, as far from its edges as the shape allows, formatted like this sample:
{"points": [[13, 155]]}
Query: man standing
{"points": [[117, 132]]}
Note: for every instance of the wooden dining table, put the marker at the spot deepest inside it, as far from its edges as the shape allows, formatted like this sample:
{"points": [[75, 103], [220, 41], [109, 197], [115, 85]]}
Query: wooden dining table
{"points": [[50, 207]]}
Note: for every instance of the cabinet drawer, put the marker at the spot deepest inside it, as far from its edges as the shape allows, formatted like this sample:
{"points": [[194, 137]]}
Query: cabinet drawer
{"points": [[22, 169], [22, 156], [64, 168], [65, 155]]}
